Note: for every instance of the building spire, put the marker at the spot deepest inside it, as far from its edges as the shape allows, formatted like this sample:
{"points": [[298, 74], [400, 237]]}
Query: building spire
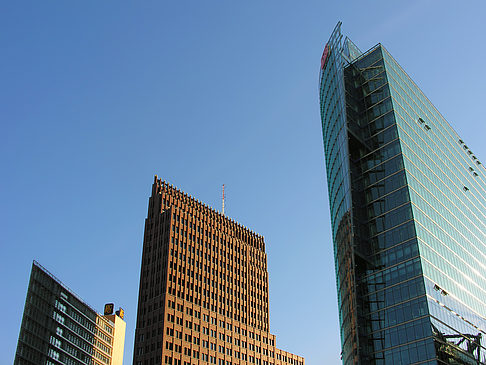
{"points": [[222, 210]]}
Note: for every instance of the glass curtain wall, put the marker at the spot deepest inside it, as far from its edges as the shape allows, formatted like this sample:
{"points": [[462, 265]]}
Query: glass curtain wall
{"points": [[408, 213]]}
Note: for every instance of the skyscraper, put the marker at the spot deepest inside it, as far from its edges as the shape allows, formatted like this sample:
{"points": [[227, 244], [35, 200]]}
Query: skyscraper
{"points": [[408, 210], [203, 296], [59, 328]]}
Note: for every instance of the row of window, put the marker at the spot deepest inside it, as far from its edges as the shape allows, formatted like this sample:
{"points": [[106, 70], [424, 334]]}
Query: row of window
{"points": [[226, 261], [252, 320], [208, 293], [212, 359], [194, 326], [212, 220]]}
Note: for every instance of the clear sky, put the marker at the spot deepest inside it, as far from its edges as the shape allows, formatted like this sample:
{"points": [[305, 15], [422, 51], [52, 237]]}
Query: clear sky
{"points": [[98, 96]]}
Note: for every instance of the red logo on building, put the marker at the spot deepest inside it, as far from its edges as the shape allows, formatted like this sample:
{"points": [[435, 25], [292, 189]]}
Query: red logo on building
{"points": [[324, 55]]}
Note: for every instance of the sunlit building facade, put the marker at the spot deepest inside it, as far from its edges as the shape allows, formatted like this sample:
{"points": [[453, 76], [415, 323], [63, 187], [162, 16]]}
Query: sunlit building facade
{"points": [[59, 328], [203, 296], [408, 210]]}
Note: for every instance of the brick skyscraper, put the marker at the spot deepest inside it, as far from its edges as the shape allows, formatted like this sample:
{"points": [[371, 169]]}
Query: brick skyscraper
{"points": [[203, 296]]}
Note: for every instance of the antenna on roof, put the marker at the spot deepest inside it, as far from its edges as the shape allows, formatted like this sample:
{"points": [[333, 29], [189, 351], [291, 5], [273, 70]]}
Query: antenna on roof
{"points": [[222, 211]]}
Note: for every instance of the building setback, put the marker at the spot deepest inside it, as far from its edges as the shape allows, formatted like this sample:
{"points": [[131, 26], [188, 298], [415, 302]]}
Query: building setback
{"points": [[408, 210], [59, 328], [203, 295]]}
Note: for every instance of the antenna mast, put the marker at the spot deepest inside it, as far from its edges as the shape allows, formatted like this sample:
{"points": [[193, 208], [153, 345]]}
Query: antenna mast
{"points": [[223, 200]]}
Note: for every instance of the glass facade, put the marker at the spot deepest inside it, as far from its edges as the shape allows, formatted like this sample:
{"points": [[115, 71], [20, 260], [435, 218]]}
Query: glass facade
{"points": [[407, 200], [58, 328]]}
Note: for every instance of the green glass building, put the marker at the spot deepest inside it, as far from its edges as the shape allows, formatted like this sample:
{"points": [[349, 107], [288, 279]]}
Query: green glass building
{"points": [[408, 212], [58, 328]]}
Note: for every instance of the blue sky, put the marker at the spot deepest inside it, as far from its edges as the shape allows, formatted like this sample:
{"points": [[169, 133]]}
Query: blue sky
{"points": [[98, 96]]}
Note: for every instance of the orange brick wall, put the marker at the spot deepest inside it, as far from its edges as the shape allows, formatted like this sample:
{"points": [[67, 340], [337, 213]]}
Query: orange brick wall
{"points": [[203, 295]]}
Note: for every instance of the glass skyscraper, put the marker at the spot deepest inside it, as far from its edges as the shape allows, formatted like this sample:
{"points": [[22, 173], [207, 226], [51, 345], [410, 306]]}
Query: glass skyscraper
{"points": [[408, 211]]}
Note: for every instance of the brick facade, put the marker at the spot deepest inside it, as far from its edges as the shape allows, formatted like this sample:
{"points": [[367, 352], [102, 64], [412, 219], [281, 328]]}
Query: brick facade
{"points": [[203, 295]]}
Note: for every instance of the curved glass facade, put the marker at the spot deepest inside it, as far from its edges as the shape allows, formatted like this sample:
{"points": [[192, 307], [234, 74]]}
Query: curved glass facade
{"points": [[407, 200], [333, 115]]}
